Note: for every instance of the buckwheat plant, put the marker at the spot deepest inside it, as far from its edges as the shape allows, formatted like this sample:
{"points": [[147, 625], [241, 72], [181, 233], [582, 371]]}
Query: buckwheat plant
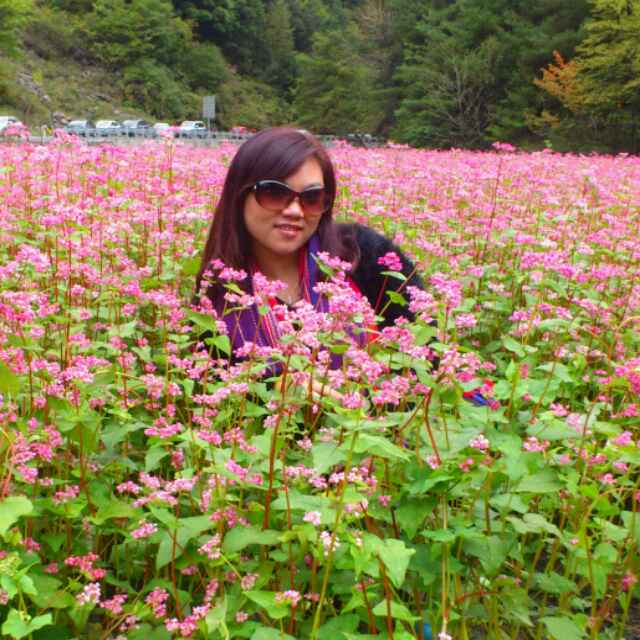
{"points": [[472, 474]]}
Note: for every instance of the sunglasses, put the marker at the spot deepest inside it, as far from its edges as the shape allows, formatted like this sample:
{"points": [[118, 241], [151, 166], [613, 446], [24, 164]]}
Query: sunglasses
{"points": [[275, 196]]}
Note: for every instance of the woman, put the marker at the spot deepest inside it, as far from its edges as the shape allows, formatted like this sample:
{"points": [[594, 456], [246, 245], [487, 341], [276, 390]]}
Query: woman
{"points": [[275, 214]]}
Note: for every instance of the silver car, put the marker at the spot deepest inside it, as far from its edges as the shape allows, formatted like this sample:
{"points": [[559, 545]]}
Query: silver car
{"points": [[192, 129], [136, 128], [8, 121], [108, 128], [81, 128]]}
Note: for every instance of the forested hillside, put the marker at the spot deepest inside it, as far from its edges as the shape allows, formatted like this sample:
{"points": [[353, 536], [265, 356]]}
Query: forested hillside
{"points": [[436, 73]]}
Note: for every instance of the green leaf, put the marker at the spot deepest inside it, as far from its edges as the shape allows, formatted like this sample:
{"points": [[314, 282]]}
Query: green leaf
{"points": [[146, 632], [48, 594], [187, 529], [632, 523], [26, 585], [395, 556], [396, 298], [545, 481], [325, 456], [491, 551], [8, 584], [111, 510], [377, 446], [11, 509], [439, 535], [509, 502], [240, 537], [301, 502], [190, 266], [533, 523], [398, 275], [153, 457], [165, 550], [513, 346], [17, 627], [563, 628], [555, 583], [267, 600], [221, 343], [398, 611], [334, 629], [412, 512], [215, 619], [551, 430], [267, 633], [9, 381]]}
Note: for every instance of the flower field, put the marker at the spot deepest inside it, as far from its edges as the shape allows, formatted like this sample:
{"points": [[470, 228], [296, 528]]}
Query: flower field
{"points": [[151, 490]]}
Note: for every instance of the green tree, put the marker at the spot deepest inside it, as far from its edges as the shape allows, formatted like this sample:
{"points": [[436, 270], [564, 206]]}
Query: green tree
{"points": [[73, 6], [250, 103], [236, 26], [14, 15], [336, 89], [467, 67], [308, 17], [153, 87], [204, 67], [609, 58], [446, 97], [280, 70], [123, 32]]}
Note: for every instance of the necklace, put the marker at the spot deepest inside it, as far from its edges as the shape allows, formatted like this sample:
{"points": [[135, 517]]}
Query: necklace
{"points": [[290, 298]]}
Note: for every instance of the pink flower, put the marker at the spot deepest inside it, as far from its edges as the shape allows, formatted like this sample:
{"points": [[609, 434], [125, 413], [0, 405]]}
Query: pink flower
{"points": [[329, 545], [608, 479], [145, 530], [114, 605], [533, 444], [625, 439], [90, 594], [156, 600], [433, 461], [313, 517], [479, 442], [391, 260], [291, 597], [466, 465], [629, 580], [211, 548], [247, 582], [384, 500]]}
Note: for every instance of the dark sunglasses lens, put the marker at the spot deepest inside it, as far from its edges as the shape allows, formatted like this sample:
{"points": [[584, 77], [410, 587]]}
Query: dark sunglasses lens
{"points": [[314, 200], [273, 195]]}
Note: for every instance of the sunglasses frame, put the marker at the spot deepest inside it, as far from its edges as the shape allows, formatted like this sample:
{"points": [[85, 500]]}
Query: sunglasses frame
{"points": [[293, 194]]}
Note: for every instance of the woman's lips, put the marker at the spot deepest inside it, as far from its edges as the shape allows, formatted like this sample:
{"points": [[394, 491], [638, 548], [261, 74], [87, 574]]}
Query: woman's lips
{"points": [[289, 230]]}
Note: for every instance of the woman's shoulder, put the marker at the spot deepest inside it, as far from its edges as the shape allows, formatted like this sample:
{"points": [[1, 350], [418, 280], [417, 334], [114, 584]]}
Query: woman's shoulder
{"points": [[368, 274], [368, 240]]}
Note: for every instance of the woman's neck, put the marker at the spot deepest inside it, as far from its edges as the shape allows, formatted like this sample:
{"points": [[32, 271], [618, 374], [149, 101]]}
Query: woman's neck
{"points": [[284, 268]]}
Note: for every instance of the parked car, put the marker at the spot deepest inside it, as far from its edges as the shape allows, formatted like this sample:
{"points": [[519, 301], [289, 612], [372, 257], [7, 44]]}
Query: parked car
{"points": [[360, 139], [81, 128], [136, 128], [192, 129], [9, 121], [163, 129], [108, 127]]}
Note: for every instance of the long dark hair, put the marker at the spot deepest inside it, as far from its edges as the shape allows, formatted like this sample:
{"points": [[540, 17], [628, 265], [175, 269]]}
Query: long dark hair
{"points": [[274, 153]]}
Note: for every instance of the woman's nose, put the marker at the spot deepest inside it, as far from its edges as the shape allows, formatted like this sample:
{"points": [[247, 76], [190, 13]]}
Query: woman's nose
{"points": [[294, 208]]}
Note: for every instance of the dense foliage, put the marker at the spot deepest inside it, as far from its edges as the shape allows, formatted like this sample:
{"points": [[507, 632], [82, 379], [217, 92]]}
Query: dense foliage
{"points": [[436, 73], [148, 490]]}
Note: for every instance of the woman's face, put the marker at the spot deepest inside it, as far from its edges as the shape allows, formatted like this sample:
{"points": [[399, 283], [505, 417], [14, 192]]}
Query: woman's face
{"points": [[278, 234]]}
